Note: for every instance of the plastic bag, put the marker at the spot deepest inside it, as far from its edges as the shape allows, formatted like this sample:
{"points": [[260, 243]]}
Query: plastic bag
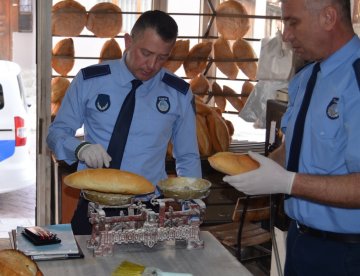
{"points": [[276, 59], [255, 108]]}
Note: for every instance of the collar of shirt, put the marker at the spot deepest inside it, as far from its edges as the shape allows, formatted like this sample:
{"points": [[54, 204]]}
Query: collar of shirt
{"points": [[340, 56]]}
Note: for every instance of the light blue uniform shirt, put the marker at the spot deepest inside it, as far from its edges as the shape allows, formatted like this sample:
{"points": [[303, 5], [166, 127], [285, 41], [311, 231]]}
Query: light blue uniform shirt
{"points": [[164, 111], [331, 138]]}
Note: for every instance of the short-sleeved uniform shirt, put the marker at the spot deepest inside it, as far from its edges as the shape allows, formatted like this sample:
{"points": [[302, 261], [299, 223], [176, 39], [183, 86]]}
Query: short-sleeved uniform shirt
{"points": [[331, 138], [164, 111]]}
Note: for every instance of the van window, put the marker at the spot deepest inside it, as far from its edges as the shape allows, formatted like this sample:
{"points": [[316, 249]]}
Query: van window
{"points": [[1, 97]]}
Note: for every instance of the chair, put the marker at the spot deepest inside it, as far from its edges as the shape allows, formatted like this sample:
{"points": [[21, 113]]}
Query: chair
{"points": [[246, 236]]}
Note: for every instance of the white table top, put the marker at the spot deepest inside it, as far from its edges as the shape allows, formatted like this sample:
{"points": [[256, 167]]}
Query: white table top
{"points": [[213, 259]]}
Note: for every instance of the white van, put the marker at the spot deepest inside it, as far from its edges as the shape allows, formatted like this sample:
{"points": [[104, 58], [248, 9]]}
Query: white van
{"points": [[16, 169]]}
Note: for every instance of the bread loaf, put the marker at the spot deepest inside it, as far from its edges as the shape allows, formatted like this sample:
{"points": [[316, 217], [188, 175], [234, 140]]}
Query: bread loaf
{"points": [[234, 26], [219, 134], [203, 136], [232, 163], [195, 62], [199, 85], [104, 20], [243, 50], [109, 181], [16, 263], [63, 56], [246, 89], [177, 55], [68, 18], [235, 101], [222, 51], [59, 85], [219, 100], [230, 127], [110, 50]]}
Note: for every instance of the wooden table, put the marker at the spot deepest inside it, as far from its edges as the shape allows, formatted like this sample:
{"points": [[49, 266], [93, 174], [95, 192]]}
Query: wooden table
{"points": [[213, 259]]}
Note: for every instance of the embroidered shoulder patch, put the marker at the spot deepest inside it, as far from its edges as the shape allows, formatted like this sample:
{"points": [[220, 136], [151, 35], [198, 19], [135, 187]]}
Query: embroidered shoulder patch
{"points": [[356, 66], [95, 71], [176, 83]]}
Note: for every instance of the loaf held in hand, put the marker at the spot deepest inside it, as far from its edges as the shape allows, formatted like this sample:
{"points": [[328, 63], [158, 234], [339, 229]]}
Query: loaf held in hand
{"points": [[16, 263], [232, 163], [110, 181]]}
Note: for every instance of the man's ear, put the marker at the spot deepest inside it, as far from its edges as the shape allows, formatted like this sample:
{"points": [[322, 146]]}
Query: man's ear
{"points": [[329, 17], [128, 40]]}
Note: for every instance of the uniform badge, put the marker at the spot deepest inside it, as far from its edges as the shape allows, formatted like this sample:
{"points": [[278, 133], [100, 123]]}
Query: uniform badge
{"points": [[332, 109], [102, 102], [163, 104]]}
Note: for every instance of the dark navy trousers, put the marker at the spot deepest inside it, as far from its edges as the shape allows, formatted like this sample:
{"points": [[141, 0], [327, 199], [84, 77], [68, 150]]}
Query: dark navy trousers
{"points": [[307, 255]]}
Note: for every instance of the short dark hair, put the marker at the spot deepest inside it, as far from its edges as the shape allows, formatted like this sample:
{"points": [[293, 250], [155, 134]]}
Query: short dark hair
{"points": [[161, 22]]}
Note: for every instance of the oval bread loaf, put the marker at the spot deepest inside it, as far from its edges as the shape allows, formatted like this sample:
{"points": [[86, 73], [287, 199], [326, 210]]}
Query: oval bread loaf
{"points": [[109, 181], [110, 50], [16, 263], [196, 61], [232, 163], [63, 56], [243, 50], [223, 58], [177, 55], [59, 85]]}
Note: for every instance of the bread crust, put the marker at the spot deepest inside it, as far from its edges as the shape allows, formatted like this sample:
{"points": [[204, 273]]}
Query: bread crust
{"points": [[110, 181], [68, 18], [177, 55], [16, 263], [104, 20], [243, 50], [195, 62], [222, 51], [232, 27], [232, 163], [63, 56], [110, 50]]}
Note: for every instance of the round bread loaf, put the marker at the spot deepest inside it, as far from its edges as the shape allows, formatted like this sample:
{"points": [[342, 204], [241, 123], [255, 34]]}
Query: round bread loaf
{"points": [[110, 181], [110, 50], [229, 22], [104, 20], [68, 18], [59, 85], [63, 56], [178, 55], [195, 62], [232, 163], [222, 51], [243, 50], [16, 263]]}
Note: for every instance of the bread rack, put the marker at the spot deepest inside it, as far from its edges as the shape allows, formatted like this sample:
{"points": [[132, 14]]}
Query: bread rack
{"points": [[169, 220]]}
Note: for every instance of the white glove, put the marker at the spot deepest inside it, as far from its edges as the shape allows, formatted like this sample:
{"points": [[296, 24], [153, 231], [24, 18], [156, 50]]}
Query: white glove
{"points": [[269, 178], [94, 155]]}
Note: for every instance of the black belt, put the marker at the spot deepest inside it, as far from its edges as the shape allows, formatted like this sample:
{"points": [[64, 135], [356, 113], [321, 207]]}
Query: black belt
{"points": [[339, 237]]}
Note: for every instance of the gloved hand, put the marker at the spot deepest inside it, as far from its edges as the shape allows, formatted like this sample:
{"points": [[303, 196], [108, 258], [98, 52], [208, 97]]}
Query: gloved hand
{"points": [[94, 155], [269, 178]]}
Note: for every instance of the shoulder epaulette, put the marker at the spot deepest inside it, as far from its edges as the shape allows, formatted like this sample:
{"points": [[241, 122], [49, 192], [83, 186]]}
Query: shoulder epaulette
{"points": [[95, 71], [356, 66], [176, 83]]}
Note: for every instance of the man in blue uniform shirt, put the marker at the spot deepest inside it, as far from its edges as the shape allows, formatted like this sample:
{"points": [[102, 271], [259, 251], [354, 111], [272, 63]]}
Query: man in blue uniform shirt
{"points": [[324, 190], [163, 112]]}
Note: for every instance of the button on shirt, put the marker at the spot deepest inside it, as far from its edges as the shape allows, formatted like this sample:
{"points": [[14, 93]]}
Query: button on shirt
{"points": [[151, 128], [330, 143]]}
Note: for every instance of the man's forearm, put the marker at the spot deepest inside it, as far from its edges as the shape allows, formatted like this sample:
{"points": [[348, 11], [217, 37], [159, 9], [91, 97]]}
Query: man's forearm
{"points": [[340, 191]]}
